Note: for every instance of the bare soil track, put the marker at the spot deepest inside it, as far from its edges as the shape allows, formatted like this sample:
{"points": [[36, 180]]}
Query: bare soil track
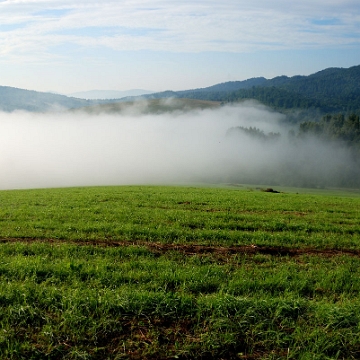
{"points": [[193, 249]]}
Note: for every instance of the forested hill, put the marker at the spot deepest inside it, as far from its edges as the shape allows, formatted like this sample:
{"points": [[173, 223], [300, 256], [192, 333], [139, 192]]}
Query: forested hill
{"points": [[333, 90], [19, 99], [232, 85], [328, 91]]}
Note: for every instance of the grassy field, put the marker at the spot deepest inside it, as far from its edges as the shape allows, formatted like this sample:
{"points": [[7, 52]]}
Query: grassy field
{"points": [[179, 272]]}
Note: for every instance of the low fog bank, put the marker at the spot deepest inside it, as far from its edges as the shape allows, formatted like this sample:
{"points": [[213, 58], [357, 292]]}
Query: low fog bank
{"points": [[76, 149]]}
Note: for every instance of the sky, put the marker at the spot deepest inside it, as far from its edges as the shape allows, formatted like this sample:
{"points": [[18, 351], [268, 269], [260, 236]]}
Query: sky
{"points": [[66, 46]]}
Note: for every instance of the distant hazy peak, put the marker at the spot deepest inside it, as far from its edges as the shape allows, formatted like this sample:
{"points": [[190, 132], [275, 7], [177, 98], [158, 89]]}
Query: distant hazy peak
{"points": [[109, 94]]}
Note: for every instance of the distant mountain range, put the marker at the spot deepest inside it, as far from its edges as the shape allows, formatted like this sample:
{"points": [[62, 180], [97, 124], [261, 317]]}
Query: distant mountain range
{"points": [[328, 91], [109, 94]]}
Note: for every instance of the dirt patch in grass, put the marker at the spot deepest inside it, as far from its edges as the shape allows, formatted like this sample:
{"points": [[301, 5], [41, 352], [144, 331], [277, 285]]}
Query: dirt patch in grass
{"points": [[193, 249], [251, 249]]}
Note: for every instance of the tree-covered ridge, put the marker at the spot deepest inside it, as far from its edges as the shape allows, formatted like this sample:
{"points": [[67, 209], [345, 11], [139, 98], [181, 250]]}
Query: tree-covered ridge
{"points": [[254, 133], [274, 97], [331, 90], [12, 99], [334, 127], [328, 84], [231, 85], [337, 89]]}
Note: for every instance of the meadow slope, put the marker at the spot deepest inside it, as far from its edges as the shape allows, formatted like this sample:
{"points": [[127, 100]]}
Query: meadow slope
{"points": [[179, 272]]}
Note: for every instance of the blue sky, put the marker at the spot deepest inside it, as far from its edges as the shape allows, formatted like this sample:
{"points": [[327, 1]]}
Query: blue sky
{"points": [[66, 46]]}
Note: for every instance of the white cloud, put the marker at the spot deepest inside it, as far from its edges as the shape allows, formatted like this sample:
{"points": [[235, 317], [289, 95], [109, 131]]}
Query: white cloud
{"points": [[159, 45], [185, 26]]}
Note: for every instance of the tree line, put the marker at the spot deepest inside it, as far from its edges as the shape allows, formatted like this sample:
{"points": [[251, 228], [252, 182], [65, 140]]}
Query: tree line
{"points": [[337, 133], [334, 127]]}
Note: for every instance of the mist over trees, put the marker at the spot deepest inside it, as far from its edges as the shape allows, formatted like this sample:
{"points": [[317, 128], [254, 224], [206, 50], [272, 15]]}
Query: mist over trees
{"points": [[324, 153], [335, 127], [254, 133]]}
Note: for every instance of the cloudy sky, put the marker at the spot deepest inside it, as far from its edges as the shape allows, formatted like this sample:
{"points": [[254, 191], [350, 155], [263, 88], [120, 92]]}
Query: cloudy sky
{"points": [[67, 46]]}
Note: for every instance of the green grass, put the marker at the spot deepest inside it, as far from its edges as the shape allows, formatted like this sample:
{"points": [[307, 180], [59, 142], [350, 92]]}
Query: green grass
{"points": [[182, 215], [68, 299]]}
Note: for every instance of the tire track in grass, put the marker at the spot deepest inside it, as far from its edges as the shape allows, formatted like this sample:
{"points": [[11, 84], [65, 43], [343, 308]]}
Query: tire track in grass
{"points": [[194, 249]]}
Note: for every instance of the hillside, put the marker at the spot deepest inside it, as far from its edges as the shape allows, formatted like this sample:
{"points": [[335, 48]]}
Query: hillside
{"points": [[12, 99], [328, 91], [332, 90]]}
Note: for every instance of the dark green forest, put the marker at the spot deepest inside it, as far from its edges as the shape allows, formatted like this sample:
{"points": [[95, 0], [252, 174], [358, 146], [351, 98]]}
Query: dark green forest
{"points": [[339, 127], [330, 91]]}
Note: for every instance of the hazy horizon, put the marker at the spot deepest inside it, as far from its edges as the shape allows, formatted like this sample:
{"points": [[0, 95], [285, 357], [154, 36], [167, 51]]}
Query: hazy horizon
{"points": [[108, 94]]}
